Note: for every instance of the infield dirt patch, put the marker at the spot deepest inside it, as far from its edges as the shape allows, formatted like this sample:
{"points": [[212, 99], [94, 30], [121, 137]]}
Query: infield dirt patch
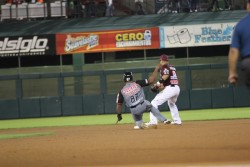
{"points": [[198, 143]]}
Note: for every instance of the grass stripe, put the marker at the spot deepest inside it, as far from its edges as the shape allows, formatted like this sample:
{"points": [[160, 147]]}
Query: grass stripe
{"points": [[216, 114], [23, 135], [186, 115]]}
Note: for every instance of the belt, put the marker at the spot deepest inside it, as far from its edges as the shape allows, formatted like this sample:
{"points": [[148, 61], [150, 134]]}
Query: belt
{"points": [[136, 105], [171, 85]]}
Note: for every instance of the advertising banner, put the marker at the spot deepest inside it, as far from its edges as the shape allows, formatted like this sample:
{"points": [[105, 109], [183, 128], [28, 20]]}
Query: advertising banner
{"points": [[107, 41], [196, 35], [27, 45]]}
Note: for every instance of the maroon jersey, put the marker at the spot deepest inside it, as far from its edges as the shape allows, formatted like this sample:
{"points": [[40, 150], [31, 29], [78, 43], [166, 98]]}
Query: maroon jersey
{"points": [[171, 72]]}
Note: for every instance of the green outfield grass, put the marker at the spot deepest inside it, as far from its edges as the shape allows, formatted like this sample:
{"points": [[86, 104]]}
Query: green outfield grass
{"points": [[186, 115], [22, 135]]}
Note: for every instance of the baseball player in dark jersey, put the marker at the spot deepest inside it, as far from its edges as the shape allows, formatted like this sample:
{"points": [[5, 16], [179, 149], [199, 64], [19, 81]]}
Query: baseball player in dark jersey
{"points": [[168, 90], [133, 95], [240, 46]]}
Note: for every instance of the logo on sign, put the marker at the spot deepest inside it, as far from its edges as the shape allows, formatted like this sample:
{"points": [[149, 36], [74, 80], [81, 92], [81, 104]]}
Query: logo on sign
{"points": [[89, 41], [182, 36], [209, 34], [134, 39], [34, 46]]}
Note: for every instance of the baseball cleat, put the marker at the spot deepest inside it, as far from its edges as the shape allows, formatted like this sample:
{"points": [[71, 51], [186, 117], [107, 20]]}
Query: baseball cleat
{"points": [[149, 125], [152, 126], [175, 123], [167, 122], [139, 127]]}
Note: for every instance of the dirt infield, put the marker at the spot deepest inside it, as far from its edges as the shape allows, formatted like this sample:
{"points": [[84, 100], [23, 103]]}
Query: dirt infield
{"points": [[199, 143]]}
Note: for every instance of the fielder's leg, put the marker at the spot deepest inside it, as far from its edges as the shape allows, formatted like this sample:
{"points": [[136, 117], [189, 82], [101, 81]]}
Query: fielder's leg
{"points": [[172, 106], [174, 112]]}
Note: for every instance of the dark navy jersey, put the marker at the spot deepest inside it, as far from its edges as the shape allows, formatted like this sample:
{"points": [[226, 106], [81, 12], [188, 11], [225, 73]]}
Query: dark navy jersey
{"points": [[132, 93], [171, 72], [241, 37]]}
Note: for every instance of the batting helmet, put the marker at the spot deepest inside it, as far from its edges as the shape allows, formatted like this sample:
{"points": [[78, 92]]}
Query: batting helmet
{"points": [[128, 76]]}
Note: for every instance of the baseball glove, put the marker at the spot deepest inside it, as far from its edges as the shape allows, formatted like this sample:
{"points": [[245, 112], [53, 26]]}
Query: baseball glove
{"points": [[155, 89], [119, 117]]}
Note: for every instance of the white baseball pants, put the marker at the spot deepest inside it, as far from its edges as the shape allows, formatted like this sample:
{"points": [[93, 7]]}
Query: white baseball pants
{"points": [[169, 94]]}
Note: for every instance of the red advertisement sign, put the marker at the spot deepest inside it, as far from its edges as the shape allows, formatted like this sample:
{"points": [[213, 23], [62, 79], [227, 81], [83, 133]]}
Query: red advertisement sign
{"points": [[119, 40]]}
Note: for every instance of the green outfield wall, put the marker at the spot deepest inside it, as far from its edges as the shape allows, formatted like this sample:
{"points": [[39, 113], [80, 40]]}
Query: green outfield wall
{"points": [[90, 93]]}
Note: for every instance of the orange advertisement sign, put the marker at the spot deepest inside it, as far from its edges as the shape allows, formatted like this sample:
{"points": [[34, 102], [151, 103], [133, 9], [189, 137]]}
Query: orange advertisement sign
{"points": [[108, 41]]}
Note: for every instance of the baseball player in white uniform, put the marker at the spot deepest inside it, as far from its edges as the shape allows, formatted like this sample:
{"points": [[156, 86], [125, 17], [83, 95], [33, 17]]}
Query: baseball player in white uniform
{"points": [[168, 90]]}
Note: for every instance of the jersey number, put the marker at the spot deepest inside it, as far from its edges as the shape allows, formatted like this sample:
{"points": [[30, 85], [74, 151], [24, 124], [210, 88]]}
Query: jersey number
{"points": [[134, 98], [174, 79]]}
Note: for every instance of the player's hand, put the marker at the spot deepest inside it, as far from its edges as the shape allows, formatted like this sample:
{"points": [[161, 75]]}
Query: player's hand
{"points": [[151, 79], [119, 117], [161, 86], [233, 78]]}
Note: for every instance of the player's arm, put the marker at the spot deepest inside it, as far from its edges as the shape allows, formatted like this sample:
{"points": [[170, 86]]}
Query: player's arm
{"points": [[232, 61], [165, 77], [118, 108], [143, 82], [233, 56], [153, 76], [119, 102]]}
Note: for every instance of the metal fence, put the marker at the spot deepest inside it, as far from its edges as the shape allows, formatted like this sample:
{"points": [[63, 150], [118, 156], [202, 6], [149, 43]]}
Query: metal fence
{"points": [[33, 10], [67, 9]]}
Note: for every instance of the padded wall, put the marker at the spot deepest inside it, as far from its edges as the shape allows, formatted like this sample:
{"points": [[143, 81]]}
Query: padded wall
{"points": [[51, 106], [9, 109], [30, 108], [241, 97], [93, 104], [222, 98], [200, 99], [72, 105]]}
